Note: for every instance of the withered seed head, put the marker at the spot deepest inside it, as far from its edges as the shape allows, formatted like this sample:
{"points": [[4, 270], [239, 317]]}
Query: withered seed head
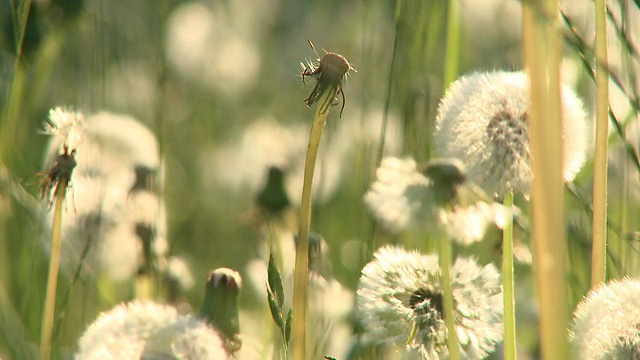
{"points": [[329, 74]]}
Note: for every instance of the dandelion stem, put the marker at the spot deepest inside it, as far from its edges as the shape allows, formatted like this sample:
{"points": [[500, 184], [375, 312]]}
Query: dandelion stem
{"points": [[52, 281], [301, 273], [508, 281], [444, 259], [542, 45], [599, 252]]}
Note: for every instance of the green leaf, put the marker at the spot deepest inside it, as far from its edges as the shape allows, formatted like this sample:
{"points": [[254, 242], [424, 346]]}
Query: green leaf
{"points": [[275, 281], [276, 312], [287, 326]]}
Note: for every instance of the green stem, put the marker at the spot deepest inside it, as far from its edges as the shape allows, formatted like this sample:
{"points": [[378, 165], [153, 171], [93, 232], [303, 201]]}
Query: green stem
{"points": [[508, 282], [301, 273], [444, 259], [599, 252], [453, 43], [52, 281]]}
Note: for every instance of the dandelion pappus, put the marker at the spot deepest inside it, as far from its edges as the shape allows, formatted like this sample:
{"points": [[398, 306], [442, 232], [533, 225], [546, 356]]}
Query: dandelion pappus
{"points": [[329, 74]]}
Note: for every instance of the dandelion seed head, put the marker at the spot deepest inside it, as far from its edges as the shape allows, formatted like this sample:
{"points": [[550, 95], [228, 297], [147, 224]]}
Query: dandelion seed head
{"points": [[606, 323], [483, 120], [116, 205], [402, 199], [68, 125], [400, 293], [146, 330], [389, 198]]}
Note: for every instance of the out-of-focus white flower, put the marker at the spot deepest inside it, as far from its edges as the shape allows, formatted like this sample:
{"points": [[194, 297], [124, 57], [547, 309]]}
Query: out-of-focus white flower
{"points": [[116, 205], [482, 120], [146, 330], [242, 165], [399, 302], [402, 198], [389, 198], [203, 47], [606, 323]]}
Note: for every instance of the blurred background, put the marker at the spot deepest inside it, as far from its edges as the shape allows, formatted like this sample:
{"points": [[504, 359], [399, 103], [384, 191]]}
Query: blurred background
{"points": [[218, 83]]}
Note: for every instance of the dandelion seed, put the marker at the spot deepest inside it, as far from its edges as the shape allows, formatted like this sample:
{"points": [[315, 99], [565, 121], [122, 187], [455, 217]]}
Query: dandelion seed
{"points": [[329, 73], [399, 302], [606, 323], [402, 198], [147, 330], [482, 120]]}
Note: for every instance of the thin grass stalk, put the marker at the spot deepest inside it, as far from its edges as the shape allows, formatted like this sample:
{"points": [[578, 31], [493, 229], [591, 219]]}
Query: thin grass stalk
{"points": [[508, 282], [52, 281], [301, 272], [444, 260], [599, 251], [9, 125], [452, 50], [542, 53]]}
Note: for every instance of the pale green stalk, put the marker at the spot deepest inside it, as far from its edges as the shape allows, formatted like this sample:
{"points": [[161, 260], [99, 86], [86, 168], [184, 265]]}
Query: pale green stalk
{"points": [[599, 251], [542, 44], [444, 259], [452, 50], [52, 281], [508, 281], [301, 273]]}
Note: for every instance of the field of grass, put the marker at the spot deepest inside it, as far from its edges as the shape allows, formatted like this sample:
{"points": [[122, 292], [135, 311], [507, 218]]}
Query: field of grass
{"points": [[192, 152]]}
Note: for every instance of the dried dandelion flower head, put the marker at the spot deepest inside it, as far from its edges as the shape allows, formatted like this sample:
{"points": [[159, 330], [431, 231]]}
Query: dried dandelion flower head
{"points": [[400, 302], [68, 129], [482, 120], [606, 323], [329, 73], [116, 197], [146, 330], [440, 198]]}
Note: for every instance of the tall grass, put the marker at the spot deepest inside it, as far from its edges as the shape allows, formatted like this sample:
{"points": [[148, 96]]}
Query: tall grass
{"points": [[114, 57], [542, 56]]}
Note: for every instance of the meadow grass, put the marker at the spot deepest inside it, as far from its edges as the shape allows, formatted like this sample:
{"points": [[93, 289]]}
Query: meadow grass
{"points": [[239, 66]]}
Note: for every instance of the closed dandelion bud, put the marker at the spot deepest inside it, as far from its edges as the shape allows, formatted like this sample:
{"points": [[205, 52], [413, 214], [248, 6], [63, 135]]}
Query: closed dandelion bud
{"points": [[400, 302], [273, 197], [146, 330], [220, 306], [606, 323], [483, 121]]}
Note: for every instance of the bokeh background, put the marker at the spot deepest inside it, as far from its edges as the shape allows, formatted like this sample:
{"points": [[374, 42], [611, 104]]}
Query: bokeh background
{"points": [[218, 83]]}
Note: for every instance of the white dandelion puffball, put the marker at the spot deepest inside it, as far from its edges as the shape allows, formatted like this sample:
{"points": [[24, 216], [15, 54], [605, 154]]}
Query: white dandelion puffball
{"points": [[400, 293], [606, 323], [389, 200], [402, 198], [114, 202], [146, 330], [482, 120]]}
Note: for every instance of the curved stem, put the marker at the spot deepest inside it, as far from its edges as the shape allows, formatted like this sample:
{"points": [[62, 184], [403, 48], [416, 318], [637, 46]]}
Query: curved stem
{"points": [[301, 273]]}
